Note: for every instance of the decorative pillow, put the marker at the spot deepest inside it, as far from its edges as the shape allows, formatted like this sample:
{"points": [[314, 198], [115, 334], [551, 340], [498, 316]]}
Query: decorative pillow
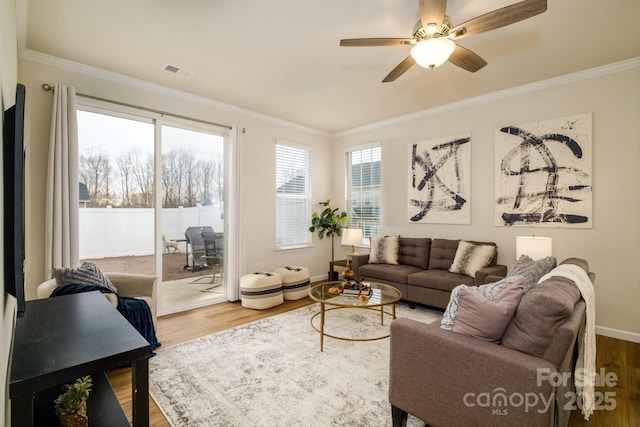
{"points": [[471, 257], [542, 310], [488, 291], [483, 318], [87, 274], [384, 250], [531, 270]]}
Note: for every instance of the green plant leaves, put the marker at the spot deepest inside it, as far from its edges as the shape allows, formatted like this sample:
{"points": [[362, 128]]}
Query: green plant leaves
{"points": [[328, 222]]}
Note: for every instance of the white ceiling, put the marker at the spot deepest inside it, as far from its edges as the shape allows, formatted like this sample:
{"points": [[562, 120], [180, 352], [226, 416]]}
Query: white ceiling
{"points": [[282, 57]]}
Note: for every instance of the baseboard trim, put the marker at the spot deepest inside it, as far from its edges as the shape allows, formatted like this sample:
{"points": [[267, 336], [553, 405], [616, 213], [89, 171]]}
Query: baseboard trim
{"points": [[619, 334], [321, 278]]}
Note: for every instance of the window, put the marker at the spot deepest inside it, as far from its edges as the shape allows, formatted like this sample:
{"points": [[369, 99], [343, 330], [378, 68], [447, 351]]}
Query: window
{"points": [[293, 191], [363, 186]]}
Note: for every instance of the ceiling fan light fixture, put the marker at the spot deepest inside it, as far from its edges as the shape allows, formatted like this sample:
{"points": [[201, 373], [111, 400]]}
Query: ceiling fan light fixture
{"points": [[432, 52]]}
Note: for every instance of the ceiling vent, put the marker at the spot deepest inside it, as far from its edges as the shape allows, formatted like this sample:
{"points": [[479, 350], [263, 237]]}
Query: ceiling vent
{"points": [[178, 71]]}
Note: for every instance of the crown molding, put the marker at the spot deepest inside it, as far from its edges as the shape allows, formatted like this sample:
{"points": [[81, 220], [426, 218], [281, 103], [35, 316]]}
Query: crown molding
{"points": [[502, 94], [33, 56], [615, 67]]}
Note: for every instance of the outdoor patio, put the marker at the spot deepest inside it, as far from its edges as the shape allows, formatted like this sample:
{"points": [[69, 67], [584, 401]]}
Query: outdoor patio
{"points": [[172, 266]]}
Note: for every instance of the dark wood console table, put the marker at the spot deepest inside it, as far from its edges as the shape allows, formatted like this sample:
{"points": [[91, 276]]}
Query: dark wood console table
{"points": [[63, 338]]}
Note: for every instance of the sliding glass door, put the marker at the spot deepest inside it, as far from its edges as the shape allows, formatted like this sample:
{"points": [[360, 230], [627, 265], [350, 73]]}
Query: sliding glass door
{"points": [[193, 259], [152, 201], [116, 192]]}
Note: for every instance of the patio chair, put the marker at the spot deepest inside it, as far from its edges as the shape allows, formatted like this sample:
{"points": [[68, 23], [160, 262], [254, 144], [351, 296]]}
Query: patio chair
{"points": [[214, 253], [195, 247], [206, 250]]}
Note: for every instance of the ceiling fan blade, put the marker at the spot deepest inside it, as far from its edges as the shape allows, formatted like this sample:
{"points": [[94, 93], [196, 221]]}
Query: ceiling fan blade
{"points": [[400, 69], [432, 12], [377, 42], [466, 59], [499, 18]]}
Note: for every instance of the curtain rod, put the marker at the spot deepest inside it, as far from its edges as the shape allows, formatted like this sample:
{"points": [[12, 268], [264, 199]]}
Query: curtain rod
{"points": [[48, 87]]}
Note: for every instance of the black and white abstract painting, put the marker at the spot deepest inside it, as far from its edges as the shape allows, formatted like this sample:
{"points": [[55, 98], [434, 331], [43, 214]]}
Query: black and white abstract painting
{"points": [[544, 173], [440, 181]]}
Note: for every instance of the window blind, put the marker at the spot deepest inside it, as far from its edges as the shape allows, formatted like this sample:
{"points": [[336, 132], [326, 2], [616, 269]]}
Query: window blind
{"points": [[364, 190], [293, 193]]}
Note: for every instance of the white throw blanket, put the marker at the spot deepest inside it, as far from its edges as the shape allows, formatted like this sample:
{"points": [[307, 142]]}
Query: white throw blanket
{"points": [[586, 363]]}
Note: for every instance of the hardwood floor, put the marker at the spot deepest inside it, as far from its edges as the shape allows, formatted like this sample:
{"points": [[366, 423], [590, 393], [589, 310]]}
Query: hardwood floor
{"points": [[615, 356]]}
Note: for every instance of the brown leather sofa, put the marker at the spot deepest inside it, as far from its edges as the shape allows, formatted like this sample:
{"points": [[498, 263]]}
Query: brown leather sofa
{"points": [[449, 379], [422, 274]]}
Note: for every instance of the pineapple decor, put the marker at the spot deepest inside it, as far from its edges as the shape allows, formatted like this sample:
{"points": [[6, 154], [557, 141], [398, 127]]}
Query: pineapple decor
{"points": [[71, 405]]}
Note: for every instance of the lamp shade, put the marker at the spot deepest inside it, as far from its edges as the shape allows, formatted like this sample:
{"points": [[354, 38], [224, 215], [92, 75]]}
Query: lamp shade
{"points": [[351, 236], [534, 247], [433, 52]]}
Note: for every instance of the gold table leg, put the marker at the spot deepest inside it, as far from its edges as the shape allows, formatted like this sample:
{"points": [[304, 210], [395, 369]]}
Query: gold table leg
{"points": [[321, 327]]}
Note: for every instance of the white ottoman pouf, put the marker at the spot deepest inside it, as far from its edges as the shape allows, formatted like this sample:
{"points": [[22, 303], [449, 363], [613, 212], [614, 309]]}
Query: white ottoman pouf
{"points": [[295, 282], [261, 291]]}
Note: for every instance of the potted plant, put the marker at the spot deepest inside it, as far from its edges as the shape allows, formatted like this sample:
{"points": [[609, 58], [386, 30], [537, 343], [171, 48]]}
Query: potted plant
{"points": [[71, 404], [328, 223]]}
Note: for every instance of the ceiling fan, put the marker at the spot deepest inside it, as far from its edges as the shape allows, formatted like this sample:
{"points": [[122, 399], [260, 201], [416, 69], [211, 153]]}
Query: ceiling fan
{"points": [[433, 38]]}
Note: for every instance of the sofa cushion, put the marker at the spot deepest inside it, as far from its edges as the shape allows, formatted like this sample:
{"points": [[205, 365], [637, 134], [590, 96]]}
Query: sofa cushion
{"points": [[388, 272], [488, 292], [485, 318], [531, 270], [541, 311], [471, 257], [442, 253], [414, 251], [442, 280], [87, 274], [384, 250]]}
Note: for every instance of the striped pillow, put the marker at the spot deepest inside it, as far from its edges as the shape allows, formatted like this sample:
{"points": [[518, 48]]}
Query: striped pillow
{"points": [[471, 257], [384, 250], [87, 274]]}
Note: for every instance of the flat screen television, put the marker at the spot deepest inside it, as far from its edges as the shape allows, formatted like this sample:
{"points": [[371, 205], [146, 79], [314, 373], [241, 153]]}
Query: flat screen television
{"points": [[13, 174]]}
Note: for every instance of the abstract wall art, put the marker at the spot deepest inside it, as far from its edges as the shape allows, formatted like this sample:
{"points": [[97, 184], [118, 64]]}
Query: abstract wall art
{"points": [[440, 181], [543, 173]]}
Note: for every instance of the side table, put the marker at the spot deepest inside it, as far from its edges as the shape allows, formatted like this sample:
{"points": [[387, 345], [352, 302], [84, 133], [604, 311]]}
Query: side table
{"points": [[338, 263]]}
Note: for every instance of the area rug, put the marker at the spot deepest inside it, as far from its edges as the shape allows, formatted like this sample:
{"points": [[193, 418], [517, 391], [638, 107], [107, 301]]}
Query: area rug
{"points": [[271, 373]]}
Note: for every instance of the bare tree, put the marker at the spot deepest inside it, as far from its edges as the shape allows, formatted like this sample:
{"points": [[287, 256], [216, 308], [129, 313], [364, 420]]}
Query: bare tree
{"points": [[124, 168], [142, 174], [186, 180], [95, 173]]}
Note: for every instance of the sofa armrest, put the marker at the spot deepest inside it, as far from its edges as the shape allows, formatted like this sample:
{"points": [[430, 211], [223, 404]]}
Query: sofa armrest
{"points": [[357, 261], [445, 378], [492, 270]]}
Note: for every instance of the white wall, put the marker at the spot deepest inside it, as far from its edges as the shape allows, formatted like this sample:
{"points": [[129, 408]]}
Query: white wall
{"points": [[612, 246], [258, 153], [8, 80]]}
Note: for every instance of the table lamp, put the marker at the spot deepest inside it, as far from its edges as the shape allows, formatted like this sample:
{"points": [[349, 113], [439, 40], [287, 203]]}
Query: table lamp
{"points": [[350, 237], [534, 246]]}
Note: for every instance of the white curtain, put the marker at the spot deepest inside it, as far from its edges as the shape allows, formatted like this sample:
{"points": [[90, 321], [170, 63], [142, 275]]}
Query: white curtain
{"points": [[61, 228], [235, 246]]}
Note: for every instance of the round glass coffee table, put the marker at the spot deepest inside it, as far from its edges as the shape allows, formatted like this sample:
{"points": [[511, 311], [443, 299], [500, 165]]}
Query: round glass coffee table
{"points": [[381, 295]]}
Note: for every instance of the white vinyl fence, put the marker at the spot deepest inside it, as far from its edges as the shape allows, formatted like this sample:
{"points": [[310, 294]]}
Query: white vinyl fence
{"points": [[110, 232]]}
